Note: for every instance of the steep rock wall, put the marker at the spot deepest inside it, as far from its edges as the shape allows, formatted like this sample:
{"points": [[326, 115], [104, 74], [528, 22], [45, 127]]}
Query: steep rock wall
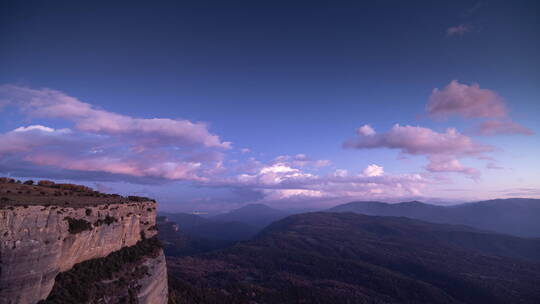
{"points": [[135, 274], [154, 285], [38, 242]]}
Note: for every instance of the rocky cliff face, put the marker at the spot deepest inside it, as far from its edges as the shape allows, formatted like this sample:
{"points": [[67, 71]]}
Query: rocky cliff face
{"points": [[38, 242], [154, 285]]}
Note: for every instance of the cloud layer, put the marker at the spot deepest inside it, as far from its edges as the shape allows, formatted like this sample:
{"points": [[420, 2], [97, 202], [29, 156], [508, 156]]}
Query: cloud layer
{"points": [[104, 146], [47, 103], [99, 145], [106, 142], [291, 182]]}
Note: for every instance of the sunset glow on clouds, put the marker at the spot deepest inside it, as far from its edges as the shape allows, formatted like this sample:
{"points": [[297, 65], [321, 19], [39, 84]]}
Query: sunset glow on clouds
{"points": [[216, 108], [47, 103], [470, 101], [164, 149], [106, 142], [441, 149], [142, 150]]}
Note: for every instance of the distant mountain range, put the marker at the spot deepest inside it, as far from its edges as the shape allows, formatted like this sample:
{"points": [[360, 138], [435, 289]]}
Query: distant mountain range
{"points": [[177, 243], [326, 257], [239, 224], [256, 215], [519, 217], [516, 216]]}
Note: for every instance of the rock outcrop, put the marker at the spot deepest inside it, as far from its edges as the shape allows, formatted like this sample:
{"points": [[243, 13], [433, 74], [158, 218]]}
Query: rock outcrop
{"points": [[135, 274], [38, 242], [154, 286]]}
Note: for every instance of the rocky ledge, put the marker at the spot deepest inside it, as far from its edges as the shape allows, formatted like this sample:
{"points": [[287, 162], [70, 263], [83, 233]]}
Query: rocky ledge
{"points": [[39, 241]]}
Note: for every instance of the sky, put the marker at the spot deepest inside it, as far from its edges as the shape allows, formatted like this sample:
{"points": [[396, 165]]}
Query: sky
{"points": [[211, 105]]}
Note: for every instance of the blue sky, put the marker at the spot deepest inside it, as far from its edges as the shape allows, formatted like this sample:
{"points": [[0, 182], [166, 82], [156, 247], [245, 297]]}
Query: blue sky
{"points": [[283, 79]]}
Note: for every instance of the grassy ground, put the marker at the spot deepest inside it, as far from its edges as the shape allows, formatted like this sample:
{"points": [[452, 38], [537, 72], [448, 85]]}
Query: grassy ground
{"points": [[17, 193]]}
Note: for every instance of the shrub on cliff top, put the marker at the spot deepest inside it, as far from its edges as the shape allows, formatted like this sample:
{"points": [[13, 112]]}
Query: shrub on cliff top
{"points": [[77, 225], [73, 187], [46, 183], [134, 198], [6, 180]]}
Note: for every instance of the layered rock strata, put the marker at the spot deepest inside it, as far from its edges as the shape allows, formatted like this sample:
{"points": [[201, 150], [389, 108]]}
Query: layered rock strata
{"points": [[38, 242]]}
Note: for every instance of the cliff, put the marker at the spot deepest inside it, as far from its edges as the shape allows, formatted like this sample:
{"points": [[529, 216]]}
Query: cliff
{"points": [[135, 274], [38, 241]]}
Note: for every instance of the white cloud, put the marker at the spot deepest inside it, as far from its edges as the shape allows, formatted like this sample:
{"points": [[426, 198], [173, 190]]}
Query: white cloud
{"points": [[34, 128], [365, 130], [340, 173], [373, 170]]}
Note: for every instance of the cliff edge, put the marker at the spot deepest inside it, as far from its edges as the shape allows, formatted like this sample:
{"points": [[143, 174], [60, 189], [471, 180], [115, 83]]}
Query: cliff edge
{"points": [[47, 229]]}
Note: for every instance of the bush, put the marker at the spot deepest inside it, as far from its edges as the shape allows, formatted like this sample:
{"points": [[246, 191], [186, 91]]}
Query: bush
{"points": [[6, 180], [77, 225], [29, 182], [107, 220], [73, 187], [46, 183], [134, 198]]}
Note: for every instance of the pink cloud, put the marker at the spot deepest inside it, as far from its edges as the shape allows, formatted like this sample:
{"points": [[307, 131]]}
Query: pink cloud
{"points": [[107, 143], [449, 164], [285, 178], [120, 165], [460, 29], [462, 100], [458, 99], [500, 127], [442, 149], [64, 149], [49, 103], [419, 141]]}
